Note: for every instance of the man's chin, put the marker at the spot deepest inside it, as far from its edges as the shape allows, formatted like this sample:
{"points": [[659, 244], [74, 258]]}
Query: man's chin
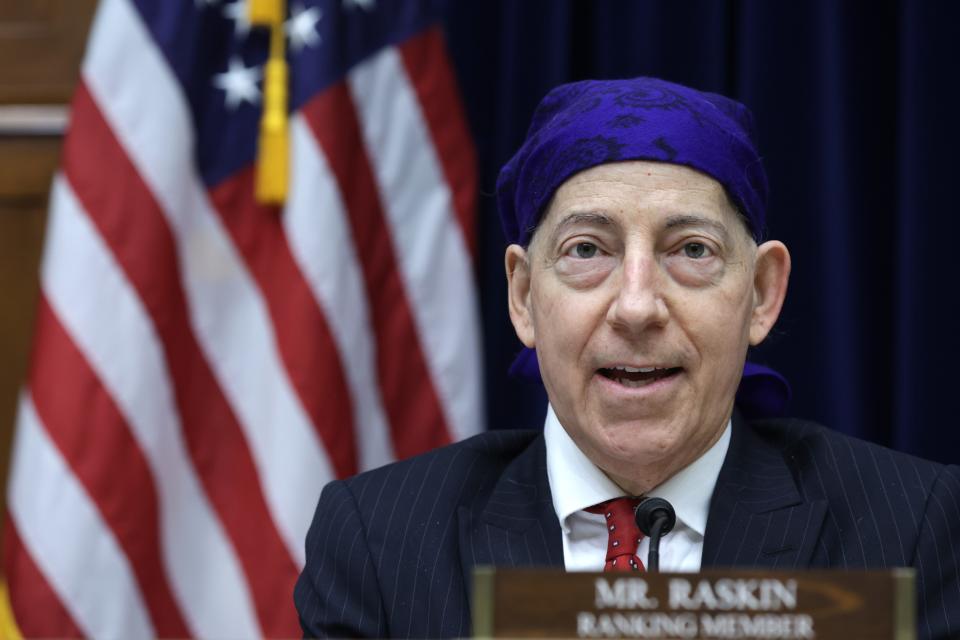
{"points": [[633, 411]]}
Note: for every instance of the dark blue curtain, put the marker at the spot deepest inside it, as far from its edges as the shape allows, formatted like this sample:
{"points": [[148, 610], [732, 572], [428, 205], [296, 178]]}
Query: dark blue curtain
{"points": [[857, 109]]}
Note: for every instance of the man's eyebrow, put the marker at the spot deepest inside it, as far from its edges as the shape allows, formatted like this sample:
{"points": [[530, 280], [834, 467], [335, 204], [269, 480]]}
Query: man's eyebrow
{"points": [[580, 217], [693, 220]]}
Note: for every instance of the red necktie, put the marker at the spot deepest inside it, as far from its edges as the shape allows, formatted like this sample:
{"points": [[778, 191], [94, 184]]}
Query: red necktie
{"points": [[623, 535]]}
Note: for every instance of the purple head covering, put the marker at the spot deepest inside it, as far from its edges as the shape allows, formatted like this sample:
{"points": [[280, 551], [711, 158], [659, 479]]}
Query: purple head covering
{"points": [[585, 124]]}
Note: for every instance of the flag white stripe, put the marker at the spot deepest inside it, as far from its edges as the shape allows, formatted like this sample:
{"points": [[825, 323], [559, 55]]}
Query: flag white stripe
{"points": [[433, 258], [62, 529], [322, 245], [125, 352], [143, 103]]}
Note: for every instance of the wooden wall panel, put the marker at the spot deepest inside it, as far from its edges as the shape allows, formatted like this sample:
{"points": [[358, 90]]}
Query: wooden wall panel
{"points": [[23, 163], [41, 43], [41, 46]]}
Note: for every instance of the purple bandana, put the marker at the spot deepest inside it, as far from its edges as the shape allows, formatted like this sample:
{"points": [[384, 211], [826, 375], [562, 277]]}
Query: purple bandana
{"points": [[585, 124]]}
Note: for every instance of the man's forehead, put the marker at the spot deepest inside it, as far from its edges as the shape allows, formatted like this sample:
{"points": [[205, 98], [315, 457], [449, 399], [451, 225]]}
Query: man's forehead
{"points": [[656, 194], [592, 220]]}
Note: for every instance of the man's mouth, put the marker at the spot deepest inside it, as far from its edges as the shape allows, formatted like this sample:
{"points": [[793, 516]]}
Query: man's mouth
{"points": [[635, 377]]}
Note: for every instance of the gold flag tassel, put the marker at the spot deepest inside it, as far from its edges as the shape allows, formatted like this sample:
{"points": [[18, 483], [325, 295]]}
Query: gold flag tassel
{"points": [[273, 154], [8, 624]]}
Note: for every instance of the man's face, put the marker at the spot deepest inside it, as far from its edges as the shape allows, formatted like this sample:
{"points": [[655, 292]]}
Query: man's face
{"points": [[638, 291]]}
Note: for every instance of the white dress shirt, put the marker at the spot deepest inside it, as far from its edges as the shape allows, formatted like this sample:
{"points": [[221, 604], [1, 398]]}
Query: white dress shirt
{"points": [[576, 483]]}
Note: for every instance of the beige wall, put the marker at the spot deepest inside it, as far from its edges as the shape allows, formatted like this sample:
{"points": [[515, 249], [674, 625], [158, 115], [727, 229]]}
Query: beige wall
{"points": [[41, 44]]}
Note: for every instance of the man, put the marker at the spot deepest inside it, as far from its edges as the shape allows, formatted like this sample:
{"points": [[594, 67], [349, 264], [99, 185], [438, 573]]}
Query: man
{"points": [[637, 281]]}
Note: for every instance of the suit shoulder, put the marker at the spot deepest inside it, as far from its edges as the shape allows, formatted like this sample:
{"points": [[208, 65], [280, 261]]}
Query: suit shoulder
{"points": [[811, 446], [459, 465]]}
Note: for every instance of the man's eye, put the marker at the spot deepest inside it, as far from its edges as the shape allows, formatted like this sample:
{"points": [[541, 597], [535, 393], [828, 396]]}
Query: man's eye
{"points": [[695, 250], [584, 250]]}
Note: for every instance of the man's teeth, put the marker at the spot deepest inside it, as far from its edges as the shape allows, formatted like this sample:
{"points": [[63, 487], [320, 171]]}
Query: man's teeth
{"points": [[635, 370], [637, 376]]}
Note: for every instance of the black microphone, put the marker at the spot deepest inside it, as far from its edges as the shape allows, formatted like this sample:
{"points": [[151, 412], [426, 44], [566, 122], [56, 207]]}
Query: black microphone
{"points": [[655, 517]]}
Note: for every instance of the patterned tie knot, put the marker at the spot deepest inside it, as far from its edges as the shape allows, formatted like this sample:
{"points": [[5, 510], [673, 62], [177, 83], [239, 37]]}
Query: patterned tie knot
{"points": [[623, 535]]}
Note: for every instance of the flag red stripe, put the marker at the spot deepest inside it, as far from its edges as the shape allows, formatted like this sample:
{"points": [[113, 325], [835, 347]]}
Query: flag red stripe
{"points": [[425, 58], [95, 440], [410, 399], [37, 609], [303, 336], [132, 224]]}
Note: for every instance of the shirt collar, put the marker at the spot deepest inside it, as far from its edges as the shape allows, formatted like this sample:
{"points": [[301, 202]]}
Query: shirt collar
{"points": [[576, 483]]}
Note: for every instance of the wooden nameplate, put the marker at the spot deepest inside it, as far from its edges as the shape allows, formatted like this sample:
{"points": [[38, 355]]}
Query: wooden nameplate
{"points": [[826, 605]]}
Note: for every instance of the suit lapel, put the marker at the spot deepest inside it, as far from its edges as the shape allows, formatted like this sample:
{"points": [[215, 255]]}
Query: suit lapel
{"points": [[517, 526], [758, 517]]}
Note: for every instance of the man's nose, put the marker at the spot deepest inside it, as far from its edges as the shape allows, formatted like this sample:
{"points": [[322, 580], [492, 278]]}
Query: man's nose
{"points": [[639, 303]]}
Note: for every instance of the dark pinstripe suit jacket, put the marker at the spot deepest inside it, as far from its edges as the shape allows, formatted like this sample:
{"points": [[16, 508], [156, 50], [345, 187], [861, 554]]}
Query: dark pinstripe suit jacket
{"points": [[390, 552]]}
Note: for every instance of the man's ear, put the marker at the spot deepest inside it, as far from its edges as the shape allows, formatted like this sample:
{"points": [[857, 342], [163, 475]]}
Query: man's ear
{"points": [[517, 264], [769, 288]]}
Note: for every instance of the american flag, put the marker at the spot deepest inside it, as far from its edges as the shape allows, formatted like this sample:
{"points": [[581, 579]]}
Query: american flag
{"points": [[204, 364]]}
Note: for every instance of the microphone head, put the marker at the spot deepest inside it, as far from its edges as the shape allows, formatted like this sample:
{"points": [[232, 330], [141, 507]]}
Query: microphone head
{"points": [[650, 510]]}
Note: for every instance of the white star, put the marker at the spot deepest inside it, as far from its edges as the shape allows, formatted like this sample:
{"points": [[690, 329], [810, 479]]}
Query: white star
{"points": [[240, 83], [301, 28], [237, 11], [366, 5]]}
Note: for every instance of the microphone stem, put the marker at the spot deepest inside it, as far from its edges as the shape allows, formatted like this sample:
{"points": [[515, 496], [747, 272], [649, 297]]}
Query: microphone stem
{"points": [[653, 555]]}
